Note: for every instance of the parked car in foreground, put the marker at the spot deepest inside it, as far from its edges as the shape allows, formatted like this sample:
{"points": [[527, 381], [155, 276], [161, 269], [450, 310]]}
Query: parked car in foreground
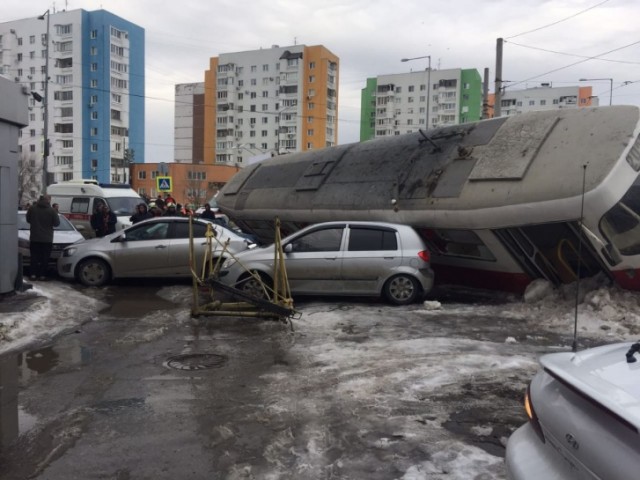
{"points": [[158, 247], [584, 418], [64, 235], [342, 258]]}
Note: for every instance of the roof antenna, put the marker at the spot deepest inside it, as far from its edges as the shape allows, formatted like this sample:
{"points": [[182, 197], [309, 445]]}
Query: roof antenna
{"points": [[574, 346]]}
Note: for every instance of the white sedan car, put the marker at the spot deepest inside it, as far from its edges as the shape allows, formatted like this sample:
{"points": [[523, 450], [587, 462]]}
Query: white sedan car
{"points": [[584, 418], [158, 247]]}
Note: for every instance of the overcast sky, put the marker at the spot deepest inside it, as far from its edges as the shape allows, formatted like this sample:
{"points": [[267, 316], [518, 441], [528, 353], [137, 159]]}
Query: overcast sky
{"points": [[371, 36]]}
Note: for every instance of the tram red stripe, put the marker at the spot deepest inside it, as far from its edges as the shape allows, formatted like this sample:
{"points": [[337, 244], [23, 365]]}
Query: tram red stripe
{"points": [[484, 279]]}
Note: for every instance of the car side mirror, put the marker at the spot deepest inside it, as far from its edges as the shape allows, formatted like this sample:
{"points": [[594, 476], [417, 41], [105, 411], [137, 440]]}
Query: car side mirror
{"points": [[288, 248], [121, 238]]}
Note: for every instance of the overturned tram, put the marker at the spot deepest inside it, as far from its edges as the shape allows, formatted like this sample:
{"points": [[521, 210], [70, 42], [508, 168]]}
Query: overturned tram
{"points": [[500, 202]]}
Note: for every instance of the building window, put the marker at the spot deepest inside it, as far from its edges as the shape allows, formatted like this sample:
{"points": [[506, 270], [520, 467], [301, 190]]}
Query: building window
{"points": [[94, 115], [265, 68], [94, 131], [312, 78], [93, 34], [532, 102], [93, 51], [32, 39], [312, 64], [94, 83], [254, 68], [94, 147], [544, 102]]}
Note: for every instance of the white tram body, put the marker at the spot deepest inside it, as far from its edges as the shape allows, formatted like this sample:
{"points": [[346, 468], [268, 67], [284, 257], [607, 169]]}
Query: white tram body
{"points": [[500, 202]]}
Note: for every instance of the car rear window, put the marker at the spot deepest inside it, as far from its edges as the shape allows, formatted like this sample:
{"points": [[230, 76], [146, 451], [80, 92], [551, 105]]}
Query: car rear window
{"points": [[372, 239]]}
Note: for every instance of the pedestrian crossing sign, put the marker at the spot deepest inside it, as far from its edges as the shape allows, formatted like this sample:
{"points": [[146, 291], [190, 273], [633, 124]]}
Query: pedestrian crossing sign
{"points": [[163, 184]]}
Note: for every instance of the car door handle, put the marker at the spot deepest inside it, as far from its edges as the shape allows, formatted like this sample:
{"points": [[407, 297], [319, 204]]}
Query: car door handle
{"points": [[160, 246], [330, 258]]}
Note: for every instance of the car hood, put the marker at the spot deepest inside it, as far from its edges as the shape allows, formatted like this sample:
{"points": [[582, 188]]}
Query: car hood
{"points": [[59, 236], [603, 374]]}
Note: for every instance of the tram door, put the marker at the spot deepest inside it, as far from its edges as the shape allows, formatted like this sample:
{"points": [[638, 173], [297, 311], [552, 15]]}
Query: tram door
{"points": [[553, 251]]}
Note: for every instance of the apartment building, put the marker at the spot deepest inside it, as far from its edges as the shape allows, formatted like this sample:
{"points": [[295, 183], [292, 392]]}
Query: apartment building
{"points": [[544, 97], [405, 102], [258, 103], [91, 109]]}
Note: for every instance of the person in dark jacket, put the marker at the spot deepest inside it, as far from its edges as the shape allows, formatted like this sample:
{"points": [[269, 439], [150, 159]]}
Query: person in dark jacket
{"points": [[208, 214], [104, 221], [42, 220], [142, 213]]}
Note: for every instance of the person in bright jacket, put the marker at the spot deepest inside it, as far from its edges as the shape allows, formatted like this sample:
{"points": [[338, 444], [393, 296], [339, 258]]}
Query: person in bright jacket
{"points": [[42, 220]]}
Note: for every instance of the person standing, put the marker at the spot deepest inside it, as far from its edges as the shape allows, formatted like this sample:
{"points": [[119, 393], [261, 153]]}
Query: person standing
{"points": [[104, 221], [42, 219], [141, 214]]}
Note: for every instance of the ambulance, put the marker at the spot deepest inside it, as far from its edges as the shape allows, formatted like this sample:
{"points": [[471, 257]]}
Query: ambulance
{"points": [[78, 200]]}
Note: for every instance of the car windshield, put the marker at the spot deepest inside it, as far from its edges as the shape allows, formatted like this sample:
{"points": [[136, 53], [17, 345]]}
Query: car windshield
{"points": [[64, 226], [124, 205], [621, 224]]}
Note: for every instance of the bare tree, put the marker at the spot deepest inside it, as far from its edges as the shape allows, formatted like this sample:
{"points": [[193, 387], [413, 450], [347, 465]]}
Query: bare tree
{"points": [[198, 191], [29, 179]]}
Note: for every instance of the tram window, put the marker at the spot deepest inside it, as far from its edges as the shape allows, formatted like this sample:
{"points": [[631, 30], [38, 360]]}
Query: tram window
{"points": [[621, 224], [458, 243]]}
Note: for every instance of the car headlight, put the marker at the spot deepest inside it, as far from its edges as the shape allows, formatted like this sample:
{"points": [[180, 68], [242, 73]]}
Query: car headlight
{"points": [[69, 251], [228, 263]]}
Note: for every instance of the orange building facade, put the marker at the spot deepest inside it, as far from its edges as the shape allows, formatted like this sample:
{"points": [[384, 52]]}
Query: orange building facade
{"points": [[190, 183], [270, 101]]}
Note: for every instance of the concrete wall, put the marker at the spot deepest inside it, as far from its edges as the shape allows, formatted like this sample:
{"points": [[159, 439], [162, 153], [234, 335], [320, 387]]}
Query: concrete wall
{"points": [[13, 116]]}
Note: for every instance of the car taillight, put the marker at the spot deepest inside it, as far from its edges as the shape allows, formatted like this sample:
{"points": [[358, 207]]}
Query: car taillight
{"points": [[424, 255], [531, 413]]}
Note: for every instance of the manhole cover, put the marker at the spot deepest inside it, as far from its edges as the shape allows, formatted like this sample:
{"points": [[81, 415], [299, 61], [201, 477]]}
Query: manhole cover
{"points": [[195, 361]]}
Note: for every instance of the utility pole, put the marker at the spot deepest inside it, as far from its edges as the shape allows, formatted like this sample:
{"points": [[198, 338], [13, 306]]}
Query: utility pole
{"points": [[498, 91], [45, 104], [485, 95]]}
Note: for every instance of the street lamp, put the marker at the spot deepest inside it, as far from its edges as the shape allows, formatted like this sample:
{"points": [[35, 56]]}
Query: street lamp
{"points": [[45, 105], [428, 83], [603, 79]]}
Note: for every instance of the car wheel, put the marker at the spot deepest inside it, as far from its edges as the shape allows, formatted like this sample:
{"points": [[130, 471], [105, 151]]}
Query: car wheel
{"points": [[93, 272], [401, 289], [254, 287]]}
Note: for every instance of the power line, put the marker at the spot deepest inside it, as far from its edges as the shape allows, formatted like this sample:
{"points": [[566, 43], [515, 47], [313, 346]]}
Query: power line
{"points": [[559, 21], [576, 63], [572, 54]]}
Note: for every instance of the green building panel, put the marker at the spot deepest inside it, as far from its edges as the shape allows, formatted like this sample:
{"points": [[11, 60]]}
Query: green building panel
{"points": [[471, 96], [368, 110]]}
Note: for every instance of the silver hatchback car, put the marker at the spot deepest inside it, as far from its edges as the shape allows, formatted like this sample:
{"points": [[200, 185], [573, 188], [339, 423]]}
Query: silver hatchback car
{"points": [[584, 418], [342, 258], [158, 247]]}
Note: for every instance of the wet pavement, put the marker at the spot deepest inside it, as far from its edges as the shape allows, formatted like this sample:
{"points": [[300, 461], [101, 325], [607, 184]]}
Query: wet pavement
{"points": [[356, 390]]}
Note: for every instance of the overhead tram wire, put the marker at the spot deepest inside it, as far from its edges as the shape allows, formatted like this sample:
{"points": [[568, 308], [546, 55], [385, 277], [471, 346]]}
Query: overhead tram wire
{"points": [[558, 21]]}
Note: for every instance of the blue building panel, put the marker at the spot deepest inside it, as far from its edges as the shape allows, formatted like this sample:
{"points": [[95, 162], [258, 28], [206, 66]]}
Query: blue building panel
{"points": [[96, 66]]}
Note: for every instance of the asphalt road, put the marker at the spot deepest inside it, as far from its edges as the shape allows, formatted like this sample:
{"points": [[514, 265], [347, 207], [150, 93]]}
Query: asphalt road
{"points": [[356, 390]]}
